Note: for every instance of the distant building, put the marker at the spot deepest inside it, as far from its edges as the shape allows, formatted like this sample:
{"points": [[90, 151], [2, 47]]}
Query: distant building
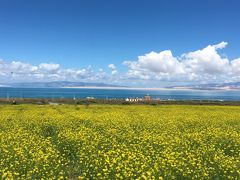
{"points": [[147, 98], [133, 99], [158, 99]]}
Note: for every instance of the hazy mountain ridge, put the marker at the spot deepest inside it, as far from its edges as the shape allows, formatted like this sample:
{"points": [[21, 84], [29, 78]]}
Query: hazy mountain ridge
{"points": [[223, 86]]}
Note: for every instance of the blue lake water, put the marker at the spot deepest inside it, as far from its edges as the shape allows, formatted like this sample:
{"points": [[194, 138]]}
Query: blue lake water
{"points": [[6, 92]]}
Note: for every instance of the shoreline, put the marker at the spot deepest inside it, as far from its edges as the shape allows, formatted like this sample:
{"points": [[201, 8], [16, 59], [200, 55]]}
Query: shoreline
{"points": [[122, 102]]}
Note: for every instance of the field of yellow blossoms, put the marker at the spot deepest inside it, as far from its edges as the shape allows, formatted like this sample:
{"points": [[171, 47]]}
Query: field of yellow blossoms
{"points": [[119, 142]]}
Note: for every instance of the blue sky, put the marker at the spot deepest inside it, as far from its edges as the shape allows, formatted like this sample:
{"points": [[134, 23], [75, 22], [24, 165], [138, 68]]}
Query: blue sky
{"points": [[79, 33]]}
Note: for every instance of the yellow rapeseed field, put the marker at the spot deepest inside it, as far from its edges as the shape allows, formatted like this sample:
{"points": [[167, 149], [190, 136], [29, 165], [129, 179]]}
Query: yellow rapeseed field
{"points": [[119, 142]]}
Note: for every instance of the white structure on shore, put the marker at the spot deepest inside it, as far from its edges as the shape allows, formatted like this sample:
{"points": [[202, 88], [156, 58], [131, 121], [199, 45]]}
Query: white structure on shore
{"points": [[133, 99], [146, 98], [90, 98]]}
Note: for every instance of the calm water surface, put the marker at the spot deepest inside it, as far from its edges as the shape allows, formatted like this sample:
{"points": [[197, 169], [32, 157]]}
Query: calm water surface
{"points": [[117, 93]]}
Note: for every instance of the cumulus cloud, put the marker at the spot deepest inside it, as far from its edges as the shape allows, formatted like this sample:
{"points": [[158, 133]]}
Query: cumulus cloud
{"points": [[203, 65], [155, 66], [49, 67], [20, 71], [206, 65], [206, 61], [235, 65], [220, 45], [113, 68]]}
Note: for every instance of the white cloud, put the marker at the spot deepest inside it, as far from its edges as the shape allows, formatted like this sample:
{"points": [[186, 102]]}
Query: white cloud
{"points": [[112, 66], [220, 45], [113, 69], [155, 66], [20, 71], [205, 65], [235, 65], [49, 67], [206, 60]]}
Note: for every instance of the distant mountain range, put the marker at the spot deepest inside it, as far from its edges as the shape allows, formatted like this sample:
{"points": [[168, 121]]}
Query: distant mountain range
{"points": [[57, 84], [224, 86]]}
